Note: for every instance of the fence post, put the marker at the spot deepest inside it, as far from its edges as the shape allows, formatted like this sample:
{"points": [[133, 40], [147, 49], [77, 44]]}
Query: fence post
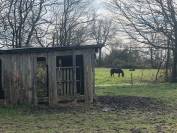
{"points": [[131, 78]]}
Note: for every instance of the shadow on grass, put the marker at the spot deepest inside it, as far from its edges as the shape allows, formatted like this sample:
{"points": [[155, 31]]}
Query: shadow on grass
{"points": [[132, 102]]}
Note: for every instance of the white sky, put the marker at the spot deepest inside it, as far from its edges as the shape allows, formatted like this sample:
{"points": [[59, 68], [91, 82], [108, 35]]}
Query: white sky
{"points": [[99, 5]]}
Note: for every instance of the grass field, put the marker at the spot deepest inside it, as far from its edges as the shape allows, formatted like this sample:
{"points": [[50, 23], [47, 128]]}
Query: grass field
{"points": [[145, 107], [139, 76]]}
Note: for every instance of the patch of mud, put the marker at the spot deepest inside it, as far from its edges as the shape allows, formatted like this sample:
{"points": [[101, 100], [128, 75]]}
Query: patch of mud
{"points": [[130, 102]]}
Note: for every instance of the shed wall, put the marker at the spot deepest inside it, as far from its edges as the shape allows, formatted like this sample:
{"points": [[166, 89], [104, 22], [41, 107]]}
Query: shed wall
{"points": [[19, 75]]}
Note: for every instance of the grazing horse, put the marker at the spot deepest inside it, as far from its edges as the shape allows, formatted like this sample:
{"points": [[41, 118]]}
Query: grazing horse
{"points": [[117, 70]]}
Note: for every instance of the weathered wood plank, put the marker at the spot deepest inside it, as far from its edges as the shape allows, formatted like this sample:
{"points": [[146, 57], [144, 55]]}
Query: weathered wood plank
{"points": [[53, 97], [88, 77], [34, 83], [74, 73]]}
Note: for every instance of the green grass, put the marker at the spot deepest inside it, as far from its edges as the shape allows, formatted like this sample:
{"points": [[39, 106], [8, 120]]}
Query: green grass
{"points": [[162, 91], [143, 85], [92, 118], [139, 75]]}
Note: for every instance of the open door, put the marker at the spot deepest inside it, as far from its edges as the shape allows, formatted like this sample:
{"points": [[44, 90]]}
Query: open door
{"points": [[42, 81]]}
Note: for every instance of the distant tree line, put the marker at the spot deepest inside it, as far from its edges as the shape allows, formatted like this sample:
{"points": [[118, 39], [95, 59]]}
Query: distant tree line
{"points": [[134, 58]]}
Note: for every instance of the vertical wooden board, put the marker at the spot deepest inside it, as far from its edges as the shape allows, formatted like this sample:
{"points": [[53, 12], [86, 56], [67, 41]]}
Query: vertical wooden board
{"points": [[29, 79], [71, 83], [3, 75], [64, 82], [85, 77], [5, 78], [21, 77], [88, 77], [67, 82], [26, 78], [2, 71], [34, 86], [91, 88], [65, 85], [53, 98], [17, 78], [25, 81], [67, 88], [60, 83], [74, 74], [93, 72], [14, 82], [11, 76], [57, 74], [57, 80]]}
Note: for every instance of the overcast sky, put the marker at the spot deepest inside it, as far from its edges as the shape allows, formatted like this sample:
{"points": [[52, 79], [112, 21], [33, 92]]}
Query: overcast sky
{"points": [[99, 5]]}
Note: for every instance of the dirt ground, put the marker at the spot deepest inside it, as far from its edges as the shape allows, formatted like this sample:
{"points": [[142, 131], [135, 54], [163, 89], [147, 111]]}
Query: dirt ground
{"points": [[131, 102]]}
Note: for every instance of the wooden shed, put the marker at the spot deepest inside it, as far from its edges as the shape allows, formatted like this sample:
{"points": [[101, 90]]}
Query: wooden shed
{"points": [[47, 75]]}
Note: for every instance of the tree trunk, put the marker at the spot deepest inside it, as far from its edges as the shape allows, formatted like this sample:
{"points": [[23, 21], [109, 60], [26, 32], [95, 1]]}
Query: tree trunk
{"points": [[167, 65], [152, 60], [167, 62], [174, 70], [100, 57]]}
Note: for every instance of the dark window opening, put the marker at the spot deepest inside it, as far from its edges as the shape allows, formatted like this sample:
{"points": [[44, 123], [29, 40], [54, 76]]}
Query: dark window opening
{"points": [[80, 74], [64, 61], [1, 89], [42, 80]]}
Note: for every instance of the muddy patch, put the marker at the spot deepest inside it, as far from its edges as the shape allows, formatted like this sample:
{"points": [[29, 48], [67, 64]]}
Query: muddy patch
{"points": [[130, 102]]}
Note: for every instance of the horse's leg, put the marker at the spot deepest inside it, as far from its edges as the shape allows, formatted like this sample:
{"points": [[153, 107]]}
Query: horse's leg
{"points": [[112, 74], [122, 74], [118, 74]]}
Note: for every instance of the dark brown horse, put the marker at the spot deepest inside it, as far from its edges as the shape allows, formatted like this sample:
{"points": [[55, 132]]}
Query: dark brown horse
{"points": [[118, 71]]}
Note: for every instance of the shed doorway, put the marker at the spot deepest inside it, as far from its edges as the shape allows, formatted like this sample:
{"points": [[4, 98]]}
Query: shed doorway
{"points": [[42, 81], [69, 75]]}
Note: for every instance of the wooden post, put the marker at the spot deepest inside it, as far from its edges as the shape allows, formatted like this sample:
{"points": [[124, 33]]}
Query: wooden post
{"points": [[142, 74], [131, 78]]}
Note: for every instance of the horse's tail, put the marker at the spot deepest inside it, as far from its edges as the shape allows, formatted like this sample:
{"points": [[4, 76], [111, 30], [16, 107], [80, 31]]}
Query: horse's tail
{"points": [[123, 73]]}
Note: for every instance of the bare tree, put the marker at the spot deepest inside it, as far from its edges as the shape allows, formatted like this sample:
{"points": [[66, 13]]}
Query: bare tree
{"points": [[70, 22], [102, 31], [146, 20], [20, 20]]}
